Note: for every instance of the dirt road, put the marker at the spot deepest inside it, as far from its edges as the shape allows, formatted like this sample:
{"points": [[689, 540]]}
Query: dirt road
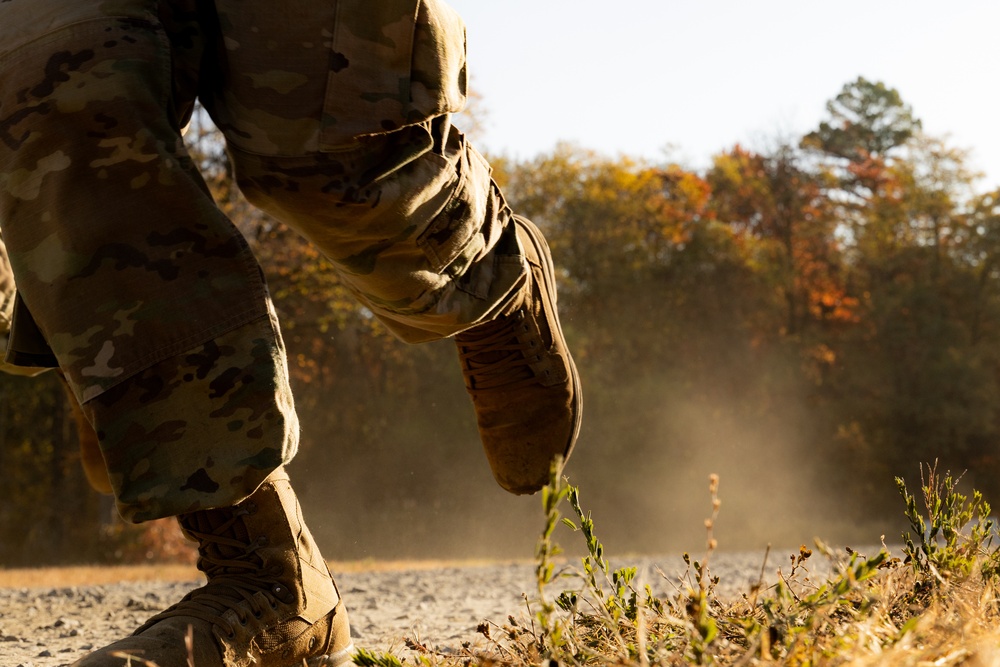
{"points": [[440, 606]]}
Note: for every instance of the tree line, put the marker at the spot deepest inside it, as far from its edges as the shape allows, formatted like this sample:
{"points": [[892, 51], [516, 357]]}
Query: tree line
{"points": [[810, 319]]}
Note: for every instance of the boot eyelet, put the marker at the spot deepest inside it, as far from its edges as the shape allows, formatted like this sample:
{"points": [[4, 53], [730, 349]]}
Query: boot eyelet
{"points": [[312, 643]]}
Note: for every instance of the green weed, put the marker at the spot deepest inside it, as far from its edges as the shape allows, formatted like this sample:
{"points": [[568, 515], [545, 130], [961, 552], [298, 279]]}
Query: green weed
{"points": [[957, 534], [875, 610]]}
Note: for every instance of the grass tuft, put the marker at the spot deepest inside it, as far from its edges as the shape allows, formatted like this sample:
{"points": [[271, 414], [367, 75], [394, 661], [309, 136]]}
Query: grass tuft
{"points": [[938, 604]]}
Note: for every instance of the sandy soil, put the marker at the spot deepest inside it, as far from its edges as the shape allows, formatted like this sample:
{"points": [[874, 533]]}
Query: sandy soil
{"points": [[439, 605]]}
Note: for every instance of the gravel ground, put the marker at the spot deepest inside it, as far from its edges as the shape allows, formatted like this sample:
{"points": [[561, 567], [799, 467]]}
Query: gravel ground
{"points": [[438, 606]]}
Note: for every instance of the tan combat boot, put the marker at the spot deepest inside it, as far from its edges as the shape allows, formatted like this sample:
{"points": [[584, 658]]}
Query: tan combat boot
{"points": [[522, 379], [270, 600]]}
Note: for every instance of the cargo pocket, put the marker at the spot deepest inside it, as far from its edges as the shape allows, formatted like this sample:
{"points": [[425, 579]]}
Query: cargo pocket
{"points": [[393, 63]]}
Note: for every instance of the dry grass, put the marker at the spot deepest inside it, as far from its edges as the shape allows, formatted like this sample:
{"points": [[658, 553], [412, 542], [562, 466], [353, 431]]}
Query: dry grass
{"points": [[936, 608], [96, 575], [93, 575]]}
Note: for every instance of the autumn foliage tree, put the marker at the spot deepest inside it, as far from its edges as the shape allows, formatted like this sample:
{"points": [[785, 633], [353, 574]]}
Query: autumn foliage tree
{"points": [[812, 320]]}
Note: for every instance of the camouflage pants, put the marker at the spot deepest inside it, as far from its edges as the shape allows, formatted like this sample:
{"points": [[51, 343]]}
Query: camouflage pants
{"points": [[336, 117]]}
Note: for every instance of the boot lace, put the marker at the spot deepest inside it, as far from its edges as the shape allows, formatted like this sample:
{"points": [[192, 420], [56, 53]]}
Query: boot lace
{"points": [[499, 354], [235, 575]]}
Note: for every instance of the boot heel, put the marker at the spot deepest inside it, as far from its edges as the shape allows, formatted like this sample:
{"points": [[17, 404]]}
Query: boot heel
{"points": [[341, 658]]}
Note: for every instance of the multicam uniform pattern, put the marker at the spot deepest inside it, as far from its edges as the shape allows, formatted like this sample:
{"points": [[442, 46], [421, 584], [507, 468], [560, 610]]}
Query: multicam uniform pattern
{"points": [[336, 116]]}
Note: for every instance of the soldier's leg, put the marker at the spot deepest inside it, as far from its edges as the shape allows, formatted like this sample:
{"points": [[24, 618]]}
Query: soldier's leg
{"points": [[153, 306], [147, 296], [339, 125], [90, 451]]}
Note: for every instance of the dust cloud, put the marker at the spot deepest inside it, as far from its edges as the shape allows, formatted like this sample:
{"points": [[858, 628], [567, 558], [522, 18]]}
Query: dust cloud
{"points": [[642, 471]]}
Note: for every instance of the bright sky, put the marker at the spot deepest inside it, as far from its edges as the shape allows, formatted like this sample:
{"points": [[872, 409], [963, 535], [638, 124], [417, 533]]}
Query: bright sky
{"points": [[637, 76]]}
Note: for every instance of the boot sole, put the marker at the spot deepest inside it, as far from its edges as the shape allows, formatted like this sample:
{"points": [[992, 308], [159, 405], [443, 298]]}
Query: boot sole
{"points": [[342, 658], [548, 268]]}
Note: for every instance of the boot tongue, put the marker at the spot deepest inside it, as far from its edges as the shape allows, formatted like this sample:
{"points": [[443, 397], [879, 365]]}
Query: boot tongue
{"points": [[225, 524]]}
